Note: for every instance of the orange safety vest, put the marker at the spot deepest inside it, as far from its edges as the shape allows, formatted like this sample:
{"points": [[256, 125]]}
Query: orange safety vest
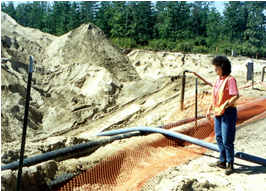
{"points": [[219, 106]]}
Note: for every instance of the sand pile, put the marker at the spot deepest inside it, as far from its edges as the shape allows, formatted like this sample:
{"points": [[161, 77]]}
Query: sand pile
{"points": [[76, 76], [17, 43], [154, 65]]}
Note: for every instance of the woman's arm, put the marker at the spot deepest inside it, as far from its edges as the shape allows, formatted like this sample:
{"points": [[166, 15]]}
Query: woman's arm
{"points": [[231, 101], [233, 91], [200, 77]]}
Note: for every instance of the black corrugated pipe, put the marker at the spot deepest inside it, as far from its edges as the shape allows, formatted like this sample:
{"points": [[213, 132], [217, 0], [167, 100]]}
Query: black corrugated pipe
{"points": [[64, 151], [82, 147]]}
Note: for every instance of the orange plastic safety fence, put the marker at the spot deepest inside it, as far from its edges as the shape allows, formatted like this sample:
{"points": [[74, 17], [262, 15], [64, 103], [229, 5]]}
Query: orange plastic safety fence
{"points": [[134, 165], [130, 168]]}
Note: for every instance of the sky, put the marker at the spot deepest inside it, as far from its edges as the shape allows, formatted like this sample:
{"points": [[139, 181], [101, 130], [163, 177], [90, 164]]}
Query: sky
{"points": [[219, 5]]}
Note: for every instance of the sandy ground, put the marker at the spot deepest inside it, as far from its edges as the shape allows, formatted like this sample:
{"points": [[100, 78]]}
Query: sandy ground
{"points": [[196, 175]]}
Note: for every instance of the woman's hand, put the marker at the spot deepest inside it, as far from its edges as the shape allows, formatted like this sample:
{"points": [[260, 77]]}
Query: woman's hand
{"points": [[226, 105]]}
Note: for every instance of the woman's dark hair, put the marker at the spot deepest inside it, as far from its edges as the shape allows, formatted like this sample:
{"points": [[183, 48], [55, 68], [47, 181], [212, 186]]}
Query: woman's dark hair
{"points": [[224, 63]]}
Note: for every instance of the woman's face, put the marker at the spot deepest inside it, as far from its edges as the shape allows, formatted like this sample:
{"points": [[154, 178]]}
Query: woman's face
{"points": [[218, 70]]}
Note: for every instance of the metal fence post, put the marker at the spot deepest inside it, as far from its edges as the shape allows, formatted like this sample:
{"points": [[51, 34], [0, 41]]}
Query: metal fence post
{"points": [[196, 102], [23, 141], [262, 74], [183, 91]]}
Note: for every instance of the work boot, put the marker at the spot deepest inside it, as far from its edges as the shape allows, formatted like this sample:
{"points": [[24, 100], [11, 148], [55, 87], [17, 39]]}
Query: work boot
{"points": [[230, 168], [218, 164]]}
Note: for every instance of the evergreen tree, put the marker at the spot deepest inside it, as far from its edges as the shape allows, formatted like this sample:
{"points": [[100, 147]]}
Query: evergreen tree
{"points": [[173, 20], [214, 27], [163, 20], [139, 21], [36, 14], [87, 11], [75, 15], [104, 16], [23, 16], [235, 16], [10, 9], [200, 11], [119, 19], [168, 25], [256, 27], [3, 7]]}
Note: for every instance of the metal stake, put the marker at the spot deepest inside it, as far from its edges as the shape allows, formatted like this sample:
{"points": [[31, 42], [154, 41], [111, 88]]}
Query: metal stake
{"points": [[262, 74], [196, 102], [183, 91], [23, 141]]}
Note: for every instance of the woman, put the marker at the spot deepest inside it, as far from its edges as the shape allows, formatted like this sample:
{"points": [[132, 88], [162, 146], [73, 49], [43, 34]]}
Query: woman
{"points": [[225, 94]]}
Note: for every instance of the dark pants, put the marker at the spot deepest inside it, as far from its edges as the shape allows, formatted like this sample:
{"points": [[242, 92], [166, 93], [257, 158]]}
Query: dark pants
{"points": [[225, 129]]}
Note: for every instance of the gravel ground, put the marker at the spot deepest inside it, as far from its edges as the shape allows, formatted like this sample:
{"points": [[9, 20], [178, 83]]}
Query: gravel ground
{"points": [[196, 175]]}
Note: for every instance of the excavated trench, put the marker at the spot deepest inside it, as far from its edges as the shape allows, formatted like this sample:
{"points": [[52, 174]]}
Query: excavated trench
{"points": [[131, 167]]}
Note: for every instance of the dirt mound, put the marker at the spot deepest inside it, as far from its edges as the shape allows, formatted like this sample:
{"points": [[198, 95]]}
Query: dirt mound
{"points": [[154, 65], [87, 45], [77, 76], [18, 42]]}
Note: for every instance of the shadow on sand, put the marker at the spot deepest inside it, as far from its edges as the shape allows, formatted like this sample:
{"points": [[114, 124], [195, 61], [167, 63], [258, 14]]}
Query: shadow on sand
{"points": [[245, 169]]}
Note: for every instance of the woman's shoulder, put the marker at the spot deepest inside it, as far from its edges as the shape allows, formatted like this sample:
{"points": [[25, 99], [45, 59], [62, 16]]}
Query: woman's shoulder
{"points": [[230, 78]]}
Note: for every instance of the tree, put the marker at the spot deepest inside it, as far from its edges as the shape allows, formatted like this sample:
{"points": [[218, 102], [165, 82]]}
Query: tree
{"points": [[87, 11], [10, 10], [168, 25], [104, 16], [3, 7], [22, 14], [199, 17], [235, 16], [214, 27], [139, 21], [163, 20], [256, 27], [67, 16], [62, 17], [36, 14], [119, 22], [75, 15], [172, 21], [49, 20]]}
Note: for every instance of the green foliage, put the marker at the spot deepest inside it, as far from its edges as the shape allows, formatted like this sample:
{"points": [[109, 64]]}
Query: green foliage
{"points": [[214, 27], [161, 44], [189, 26], [103, 17], [87, 11], [185, 46], [235, 18], [200, 49], [124, 42]]}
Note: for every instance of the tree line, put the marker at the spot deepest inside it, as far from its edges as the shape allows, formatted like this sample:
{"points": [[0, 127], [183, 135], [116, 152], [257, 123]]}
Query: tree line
{"points": [[193, 27]]}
